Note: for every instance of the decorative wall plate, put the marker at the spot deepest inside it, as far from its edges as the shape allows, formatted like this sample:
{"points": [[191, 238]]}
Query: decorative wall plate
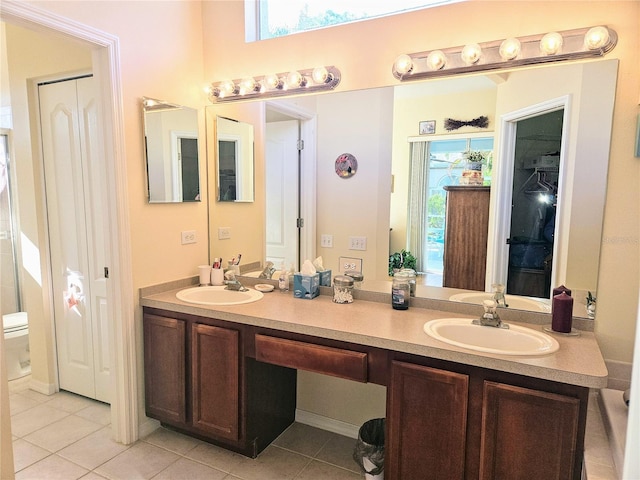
{"points": [[346, 165]]}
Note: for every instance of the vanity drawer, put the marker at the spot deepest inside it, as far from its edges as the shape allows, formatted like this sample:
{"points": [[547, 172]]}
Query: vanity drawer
{"points": [[315, 358]]}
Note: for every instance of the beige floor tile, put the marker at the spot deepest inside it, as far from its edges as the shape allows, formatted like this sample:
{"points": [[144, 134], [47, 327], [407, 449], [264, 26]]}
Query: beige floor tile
{"points": [[37, 396], [98, 412], [25, 454], [316, 470], [215, 457], [303, 439], [273, 463], [141, 461], [64, 432], [34, 419], [52, 468], [92, 476], [94, 449], [185, 469], [339, 451], [69, 402], [19, 403], [172, 441]]}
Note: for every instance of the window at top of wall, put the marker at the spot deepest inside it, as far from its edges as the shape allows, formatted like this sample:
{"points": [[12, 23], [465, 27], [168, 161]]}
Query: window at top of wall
{"points": [[277, 18]]}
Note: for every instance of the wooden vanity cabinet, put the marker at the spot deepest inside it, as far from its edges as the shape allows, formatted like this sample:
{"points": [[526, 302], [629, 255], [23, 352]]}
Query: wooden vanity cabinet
{"points": [[426, 423], [165, 369], [199, 380], [470, 424], [212, 360]]}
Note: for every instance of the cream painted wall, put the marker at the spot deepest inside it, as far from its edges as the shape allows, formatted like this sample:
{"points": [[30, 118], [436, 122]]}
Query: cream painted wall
{"points": [[32, 55], [364, 52]]}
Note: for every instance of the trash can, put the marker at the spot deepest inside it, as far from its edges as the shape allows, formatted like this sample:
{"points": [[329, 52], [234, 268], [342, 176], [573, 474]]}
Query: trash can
{"points": [[369, 449]]}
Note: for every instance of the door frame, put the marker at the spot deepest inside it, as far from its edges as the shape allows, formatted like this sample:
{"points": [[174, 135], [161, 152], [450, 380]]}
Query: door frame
{"points": [[500, 224], [106, 69]]}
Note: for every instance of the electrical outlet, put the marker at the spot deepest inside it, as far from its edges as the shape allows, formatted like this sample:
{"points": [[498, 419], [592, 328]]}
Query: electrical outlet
{"points": [[224, 233], [349, 264], [357, 243], [326, 241], [189, 236]]}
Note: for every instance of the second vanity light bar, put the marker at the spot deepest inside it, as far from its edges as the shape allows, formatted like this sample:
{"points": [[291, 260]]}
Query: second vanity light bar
{"points": [[291, 83], [510, 52]]}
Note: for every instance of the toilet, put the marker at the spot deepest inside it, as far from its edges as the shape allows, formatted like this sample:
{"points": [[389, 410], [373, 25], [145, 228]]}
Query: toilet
{"points": [[16, 344]]}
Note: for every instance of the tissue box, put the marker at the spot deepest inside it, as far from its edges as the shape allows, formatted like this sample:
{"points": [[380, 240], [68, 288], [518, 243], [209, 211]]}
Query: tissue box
{"points": [[325, 278], [306, 286]]}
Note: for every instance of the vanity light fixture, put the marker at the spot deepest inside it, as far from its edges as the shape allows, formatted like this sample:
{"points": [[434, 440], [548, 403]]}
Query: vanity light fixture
{"points": [[506, 53], [272, 85]]}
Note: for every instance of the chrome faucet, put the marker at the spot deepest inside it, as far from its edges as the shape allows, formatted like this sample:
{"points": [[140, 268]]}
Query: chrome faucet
{"points": [[233, 283], [490, 317], [498, 294], [268, 271]]}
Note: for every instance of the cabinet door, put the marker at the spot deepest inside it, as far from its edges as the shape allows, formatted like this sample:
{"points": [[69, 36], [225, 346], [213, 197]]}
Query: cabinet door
{"points": [[427, 423], [215, 380], [527, 434], [164, 368]]}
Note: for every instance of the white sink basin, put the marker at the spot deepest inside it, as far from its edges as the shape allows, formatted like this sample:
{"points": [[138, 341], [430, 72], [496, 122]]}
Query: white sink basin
{"points": [[515, 340], [218, 296], [514, 301]]}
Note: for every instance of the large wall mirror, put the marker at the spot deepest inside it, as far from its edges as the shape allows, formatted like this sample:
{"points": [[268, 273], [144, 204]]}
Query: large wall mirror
{"points": [[235, 160], [171, 148], [380, 125]]}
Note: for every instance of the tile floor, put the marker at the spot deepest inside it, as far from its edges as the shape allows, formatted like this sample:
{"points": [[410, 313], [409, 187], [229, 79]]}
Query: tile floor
{"points": [[66, 436]]}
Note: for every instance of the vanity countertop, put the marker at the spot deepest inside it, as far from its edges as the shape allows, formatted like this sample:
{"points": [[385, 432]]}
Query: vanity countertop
{"points": [[578, 362]]}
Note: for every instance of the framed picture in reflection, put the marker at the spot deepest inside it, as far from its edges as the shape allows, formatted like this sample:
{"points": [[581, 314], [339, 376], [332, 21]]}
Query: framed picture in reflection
{"points": [[427, 127]]}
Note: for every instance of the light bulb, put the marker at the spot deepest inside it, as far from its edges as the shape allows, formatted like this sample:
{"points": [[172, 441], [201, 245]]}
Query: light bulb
{"points": [[321, 75], [436, 60], [248, 85], [551, 43], [272, 81], [510, 48], [295, 79], [596, 37], [227, 88], [471, 53], [403, 64]]}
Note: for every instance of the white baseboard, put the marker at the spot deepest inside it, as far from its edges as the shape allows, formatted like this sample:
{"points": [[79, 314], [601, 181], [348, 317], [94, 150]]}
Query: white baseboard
{"points": [[41, 387], [326, 423], [147, 426]]}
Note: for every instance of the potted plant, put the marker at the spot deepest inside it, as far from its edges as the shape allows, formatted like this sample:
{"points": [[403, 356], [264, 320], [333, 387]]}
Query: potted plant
{"points": [[591, 305], [400, 260], [474, 161]]}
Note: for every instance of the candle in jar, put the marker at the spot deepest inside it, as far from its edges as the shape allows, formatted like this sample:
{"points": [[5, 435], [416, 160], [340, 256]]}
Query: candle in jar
{"points": [[562, 313]]}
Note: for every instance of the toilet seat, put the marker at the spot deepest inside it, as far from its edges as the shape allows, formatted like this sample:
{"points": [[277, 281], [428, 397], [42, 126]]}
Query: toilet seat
{"points": [[15, 322]]}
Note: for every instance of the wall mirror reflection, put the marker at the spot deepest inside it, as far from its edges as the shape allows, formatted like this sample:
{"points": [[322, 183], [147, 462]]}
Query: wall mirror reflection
{"points": [[381, 125], [235, 162], [171, 150]]}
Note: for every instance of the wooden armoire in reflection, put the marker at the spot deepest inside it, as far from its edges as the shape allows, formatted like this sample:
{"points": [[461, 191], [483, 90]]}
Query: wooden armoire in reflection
{"points": [[465, 237]]}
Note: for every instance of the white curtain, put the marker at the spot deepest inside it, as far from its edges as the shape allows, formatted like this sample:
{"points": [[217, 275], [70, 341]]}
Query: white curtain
{"points": [[417, 208]]}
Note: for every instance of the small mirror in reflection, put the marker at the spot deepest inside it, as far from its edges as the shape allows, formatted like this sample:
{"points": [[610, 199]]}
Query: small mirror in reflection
{"points": [[171, 148]]}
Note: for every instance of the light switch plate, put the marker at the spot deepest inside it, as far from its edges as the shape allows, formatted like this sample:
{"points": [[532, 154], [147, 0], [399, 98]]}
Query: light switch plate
{"points": [[326, 241], [357, 243], [224, 233]]}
